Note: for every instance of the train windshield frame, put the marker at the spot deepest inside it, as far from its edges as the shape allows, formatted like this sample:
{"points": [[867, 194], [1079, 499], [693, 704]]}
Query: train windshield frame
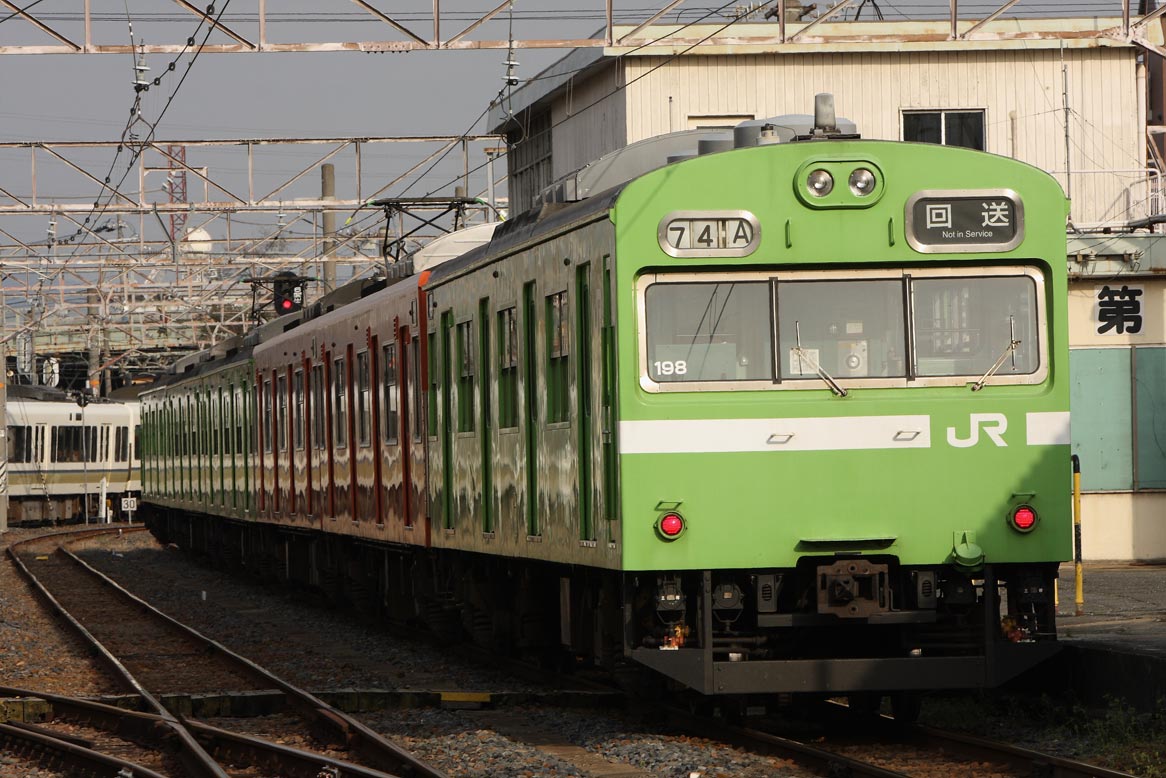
{"points": [[891, 327]]}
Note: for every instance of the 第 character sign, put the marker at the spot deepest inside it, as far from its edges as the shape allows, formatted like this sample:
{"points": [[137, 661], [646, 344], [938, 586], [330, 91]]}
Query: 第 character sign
{"points": [[964, 221], [1119, 309]]}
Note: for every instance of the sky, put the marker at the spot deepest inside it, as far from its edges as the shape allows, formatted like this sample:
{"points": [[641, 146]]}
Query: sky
{"points": [[339, 94]]}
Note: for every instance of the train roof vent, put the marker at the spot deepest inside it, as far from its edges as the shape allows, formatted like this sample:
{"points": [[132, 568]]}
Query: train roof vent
{"points": [[452, 245], [182, 364], [786, 128], [623, 165]]}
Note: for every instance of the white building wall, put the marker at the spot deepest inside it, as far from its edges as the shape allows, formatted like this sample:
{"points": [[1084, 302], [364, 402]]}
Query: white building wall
{"points": [[1019, 90], [588, 120]]}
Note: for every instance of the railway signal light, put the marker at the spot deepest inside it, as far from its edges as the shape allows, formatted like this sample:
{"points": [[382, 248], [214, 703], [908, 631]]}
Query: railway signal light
{"points": [[288, 293]]}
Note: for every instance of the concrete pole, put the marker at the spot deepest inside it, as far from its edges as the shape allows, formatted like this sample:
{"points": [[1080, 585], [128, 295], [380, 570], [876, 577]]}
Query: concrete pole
{"points": [[93, 301], [328, 192], [3, 411]]}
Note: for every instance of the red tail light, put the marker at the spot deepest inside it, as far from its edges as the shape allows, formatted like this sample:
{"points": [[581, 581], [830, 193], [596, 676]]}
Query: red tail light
{"points": [[670, 525], [1023, 518]]}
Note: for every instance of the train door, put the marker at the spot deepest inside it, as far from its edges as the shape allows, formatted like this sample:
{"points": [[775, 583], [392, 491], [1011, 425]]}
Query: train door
{"points": [[378, 441], [485, 403], [584, 373], [319, 442], [446, 420], [530, 399], [607, 403], [408, 372]]}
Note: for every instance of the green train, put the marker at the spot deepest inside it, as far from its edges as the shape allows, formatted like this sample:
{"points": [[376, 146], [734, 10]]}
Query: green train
{"points": [[791, 417]]}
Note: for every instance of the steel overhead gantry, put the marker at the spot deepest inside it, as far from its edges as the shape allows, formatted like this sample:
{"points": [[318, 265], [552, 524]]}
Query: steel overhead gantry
{"points": [[116, 269], [83, 30]]}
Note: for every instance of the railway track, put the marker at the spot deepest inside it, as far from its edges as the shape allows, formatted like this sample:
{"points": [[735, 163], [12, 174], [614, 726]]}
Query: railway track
{"points": [[153, 655], [890, 751], [879, 747]]}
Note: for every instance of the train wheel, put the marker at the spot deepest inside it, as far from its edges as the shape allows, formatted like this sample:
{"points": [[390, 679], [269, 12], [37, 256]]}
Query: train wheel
{"points": [[905, 707]]}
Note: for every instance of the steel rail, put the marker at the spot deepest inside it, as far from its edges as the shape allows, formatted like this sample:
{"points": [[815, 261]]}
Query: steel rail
{"points": [[327, 720], [64, 752], [149, 728], [981, 748], [818, 760], [191, 754]]}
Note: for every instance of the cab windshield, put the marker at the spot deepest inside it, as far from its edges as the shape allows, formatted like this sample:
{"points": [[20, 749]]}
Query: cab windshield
{"points": [[881, 328]]}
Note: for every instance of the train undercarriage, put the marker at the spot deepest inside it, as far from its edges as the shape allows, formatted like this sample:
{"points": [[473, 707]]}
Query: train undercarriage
{"points": [[833, 625]]}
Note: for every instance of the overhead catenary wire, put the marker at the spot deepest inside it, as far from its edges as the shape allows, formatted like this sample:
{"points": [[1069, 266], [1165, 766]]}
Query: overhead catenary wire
{"points": [[495, 101], [127, 139]]}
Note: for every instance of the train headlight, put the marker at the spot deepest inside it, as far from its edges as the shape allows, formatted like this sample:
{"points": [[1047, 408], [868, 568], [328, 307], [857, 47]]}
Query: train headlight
{"points": [[862, 182], [829, 182], [1023, 518], [820, 183], [670, 526]]}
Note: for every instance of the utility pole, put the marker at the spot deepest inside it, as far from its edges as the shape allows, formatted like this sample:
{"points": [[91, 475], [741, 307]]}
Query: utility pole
{"points": [[93, 383], [3, 411], [328, 192]]}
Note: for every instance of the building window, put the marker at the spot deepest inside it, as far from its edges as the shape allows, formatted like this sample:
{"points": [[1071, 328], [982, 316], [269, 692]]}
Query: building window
{"points": [[947, 128], [557, 351], [508, 368], [364, 395], [465, 383], [392, 398]]}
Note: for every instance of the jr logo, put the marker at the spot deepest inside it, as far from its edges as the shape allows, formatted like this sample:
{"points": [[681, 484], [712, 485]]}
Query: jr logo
{"points": [[993, 424]]}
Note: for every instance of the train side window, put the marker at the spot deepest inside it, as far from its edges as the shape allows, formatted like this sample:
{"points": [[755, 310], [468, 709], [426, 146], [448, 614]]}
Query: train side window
{"points": [[340, 402], [121, 440], [465, 383], [392, 397], [281, 418], [20, 444], [265, 402], [364, 398], [558, 408], [319, 440], [298, 413], [415, 387], [508, 368], [434, 377]]}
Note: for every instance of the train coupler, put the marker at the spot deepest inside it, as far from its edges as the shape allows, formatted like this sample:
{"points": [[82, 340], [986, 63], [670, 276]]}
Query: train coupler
{"points": [[853, 588]]}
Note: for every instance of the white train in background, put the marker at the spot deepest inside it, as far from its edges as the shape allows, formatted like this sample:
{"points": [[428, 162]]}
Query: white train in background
{"points": [[68, 463]]}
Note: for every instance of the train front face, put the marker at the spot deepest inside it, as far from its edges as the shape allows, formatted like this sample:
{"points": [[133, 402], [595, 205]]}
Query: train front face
{"points": [[843, 417]]}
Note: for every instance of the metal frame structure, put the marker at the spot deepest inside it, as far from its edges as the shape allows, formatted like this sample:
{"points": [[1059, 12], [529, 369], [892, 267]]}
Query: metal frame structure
{"points": [[116, 282], [80, 38], [92, 285]]}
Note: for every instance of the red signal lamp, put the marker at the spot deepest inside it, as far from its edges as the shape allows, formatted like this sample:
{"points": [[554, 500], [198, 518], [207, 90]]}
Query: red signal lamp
{"points": [[670, 526], [1023, 518]]}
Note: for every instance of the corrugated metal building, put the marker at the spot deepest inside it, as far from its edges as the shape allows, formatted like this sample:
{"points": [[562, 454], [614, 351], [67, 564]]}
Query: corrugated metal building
{"points": [[1071, 96]]}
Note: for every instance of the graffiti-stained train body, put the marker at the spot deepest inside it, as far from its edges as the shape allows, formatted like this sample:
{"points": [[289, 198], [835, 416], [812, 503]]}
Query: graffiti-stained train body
{"points": [[787, 418]]}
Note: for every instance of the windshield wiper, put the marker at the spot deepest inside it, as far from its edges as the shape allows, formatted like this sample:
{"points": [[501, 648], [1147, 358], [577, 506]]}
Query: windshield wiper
{"points": [[1009, 351], [818, 369]]}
